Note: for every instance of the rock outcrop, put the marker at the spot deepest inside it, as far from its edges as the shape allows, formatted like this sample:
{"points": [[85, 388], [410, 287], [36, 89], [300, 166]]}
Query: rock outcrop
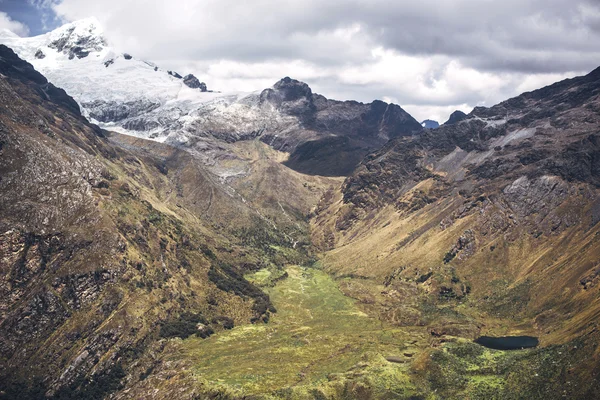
{"points": [[192, 82], [509, 193], [455, 117], [96, 266]]}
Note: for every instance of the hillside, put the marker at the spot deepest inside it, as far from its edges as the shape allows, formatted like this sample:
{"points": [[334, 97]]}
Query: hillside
{"points": [[282, 245], [110, 244], [487, 226]]}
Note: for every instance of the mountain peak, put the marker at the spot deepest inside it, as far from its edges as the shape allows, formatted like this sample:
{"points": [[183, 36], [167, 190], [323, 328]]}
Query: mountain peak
{"points": [[292, 89], [90, 24], [455, 117], [78, 38]]}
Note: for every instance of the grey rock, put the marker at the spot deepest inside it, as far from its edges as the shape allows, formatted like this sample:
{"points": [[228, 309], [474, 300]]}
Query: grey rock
{"points": [[455, 117], [192, 82]]}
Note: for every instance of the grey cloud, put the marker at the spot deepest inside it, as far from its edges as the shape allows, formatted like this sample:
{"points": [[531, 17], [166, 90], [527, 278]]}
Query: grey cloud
{"points": [[485, 34], [510, 40], [492, 35]]}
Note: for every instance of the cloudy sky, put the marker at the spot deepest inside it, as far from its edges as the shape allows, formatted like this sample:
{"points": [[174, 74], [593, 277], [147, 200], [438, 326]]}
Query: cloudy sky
{"points": [[429, 56]]}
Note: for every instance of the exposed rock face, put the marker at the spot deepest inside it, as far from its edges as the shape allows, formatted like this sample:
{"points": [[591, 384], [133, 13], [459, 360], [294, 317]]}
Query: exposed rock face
{"points": [[90, 270], [322, 136], [344, 131], [455, 117], [192, 82], [79, 40], [486, 146], [522, 174], [110, 111]]}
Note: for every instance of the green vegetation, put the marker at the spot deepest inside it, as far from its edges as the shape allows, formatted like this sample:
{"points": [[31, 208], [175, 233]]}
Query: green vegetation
{"points": [[186, 325], [230, 279], [464, 370], [319, 344]]}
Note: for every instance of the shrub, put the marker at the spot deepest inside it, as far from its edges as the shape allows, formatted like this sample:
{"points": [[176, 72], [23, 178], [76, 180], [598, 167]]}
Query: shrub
{"points": [[186, 325]]}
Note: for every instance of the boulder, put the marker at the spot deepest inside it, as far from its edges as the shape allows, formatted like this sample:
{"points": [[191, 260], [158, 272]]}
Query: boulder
{"points": [[192, 82]]}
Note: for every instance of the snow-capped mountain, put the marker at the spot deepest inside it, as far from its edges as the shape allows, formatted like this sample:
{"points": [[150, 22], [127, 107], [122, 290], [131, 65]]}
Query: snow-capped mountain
{"points": [[122, 93], [113, 88]]}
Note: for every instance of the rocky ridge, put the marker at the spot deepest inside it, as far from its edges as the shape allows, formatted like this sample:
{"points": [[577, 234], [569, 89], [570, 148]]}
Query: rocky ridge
{"points": [[109, 246], [494, 217], [136, 97]]}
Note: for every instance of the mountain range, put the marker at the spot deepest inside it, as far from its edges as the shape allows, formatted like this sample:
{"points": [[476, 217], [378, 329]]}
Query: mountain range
{"points": [[162, 240], [138, 98]]}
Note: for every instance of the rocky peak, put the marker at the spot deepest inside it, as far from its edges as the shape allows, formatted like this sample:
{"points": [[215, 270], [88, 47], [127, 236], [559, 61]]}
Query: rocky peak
{"points": [[79, 38], [547, 101], [455, 117], [291, 97], [192, 82], [292, 89]]}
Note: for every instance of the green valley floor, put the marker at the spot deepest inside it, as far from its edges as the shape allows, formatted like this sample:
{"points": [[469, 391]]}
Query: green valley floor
{"points": [[317, 338]]}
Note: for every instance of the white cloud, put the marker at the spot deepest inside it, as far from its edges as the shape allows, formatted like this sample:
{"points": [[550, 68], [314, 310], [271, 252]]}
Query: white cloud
{"points": [[429, 56], [14, 26]]}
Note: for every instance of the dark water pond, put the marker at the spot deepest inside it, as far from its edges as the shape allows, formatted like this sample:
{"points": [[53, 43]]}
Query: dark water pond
{"points": [[508, 342]]}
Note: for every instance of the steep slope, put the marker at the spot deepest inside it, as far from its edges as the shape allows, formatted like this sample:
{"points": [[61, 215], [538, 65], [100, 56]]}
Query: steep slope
{"points": [[111, 87], [108, 245], [455, 117], [112, 244], [485, 226], [122, 93]]}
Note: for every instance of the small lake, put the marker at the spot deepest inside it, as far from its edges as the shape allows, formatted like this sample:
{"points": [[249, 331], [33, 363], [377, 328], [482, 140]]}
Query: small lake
{"points": [[508, 342]]}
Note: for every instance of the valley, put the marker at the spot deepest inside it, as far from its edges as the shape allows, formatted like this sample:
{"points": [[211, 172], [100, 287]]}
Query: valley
{"points": [[322, 344], [188, 244], [317, 333]]}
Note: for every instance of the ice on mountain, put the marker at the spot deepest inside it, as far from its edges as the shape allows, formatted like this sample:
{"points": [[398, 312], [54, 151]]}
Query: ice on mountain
{"points": [[135, 97]]}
